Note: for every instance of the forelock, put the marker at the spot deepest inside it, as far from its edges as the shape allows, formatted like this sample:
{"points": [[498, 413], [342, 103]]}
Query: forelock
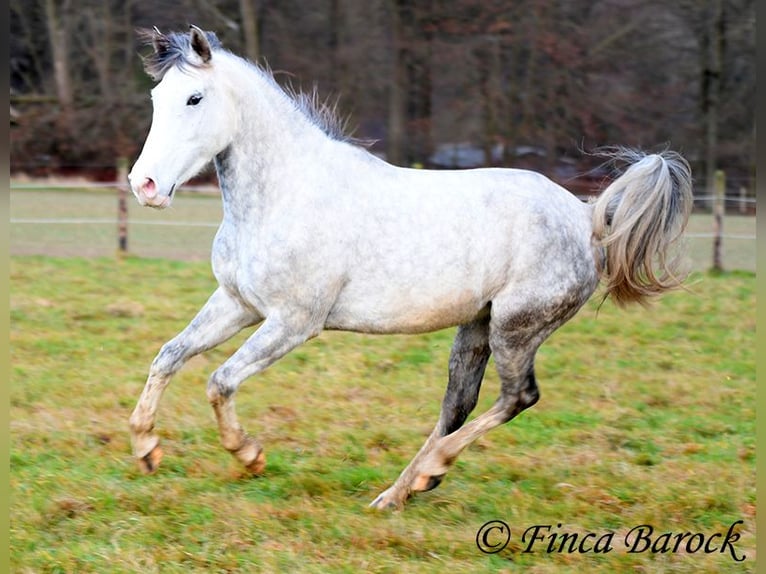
{"points": [[173, 49]]}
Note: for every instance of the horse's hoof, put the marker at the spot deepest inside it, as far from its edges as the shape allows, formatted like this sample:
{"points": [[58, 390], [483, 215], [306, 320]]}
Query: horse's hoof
{"points": [[149, 463], [251, 455], [258, 465], [387, 501], [424, 483]]}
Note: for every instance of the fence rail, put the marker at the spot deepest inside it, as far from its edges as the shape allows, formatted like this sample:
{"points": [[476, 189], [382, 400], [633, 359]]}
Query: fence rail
{"points": [[169, 223], [212, 189], [40, 221], [54, 184]]}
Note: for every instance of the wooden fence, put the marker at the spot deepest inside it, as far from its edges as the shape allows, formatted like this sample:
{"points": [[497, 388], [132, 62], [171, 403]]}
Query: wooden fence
{"points": [[717, 204]]}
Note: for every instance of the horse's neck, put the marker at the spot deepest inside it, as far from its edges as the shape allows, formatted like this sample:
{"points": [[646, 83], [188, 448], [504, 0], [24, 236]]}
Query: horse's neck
{"points": [[272, 133]]}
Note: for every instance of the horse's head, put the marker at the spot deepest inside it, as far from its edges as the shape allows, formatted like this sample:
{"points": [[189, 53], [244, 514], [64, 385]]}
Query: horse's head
{"points": [[193, 117]]}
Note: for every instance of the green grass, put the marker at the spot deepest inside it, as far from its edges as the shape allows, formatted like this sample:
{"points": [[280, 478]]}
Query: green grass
{"points": [[646, 417]]}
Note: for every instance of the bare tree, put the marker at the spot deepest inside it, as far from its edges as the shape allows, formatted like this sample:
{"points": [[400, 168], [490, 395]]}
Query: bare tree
{"points": [[711, 90], [248, 10], [551, 75], [57, 19], [397, 91], [409, 130]]}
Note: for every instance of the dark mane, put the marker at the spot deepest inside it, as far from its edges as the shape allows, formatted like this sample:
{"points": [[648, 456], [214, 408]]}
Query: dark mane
{"points": [[173, 49], [169, 50], [323, 113]]}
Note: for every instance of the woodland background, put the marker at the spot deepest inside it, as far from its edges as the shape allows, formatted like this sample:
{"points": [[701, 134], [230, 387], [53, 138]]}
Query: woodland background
{"points": [[436, 83]]}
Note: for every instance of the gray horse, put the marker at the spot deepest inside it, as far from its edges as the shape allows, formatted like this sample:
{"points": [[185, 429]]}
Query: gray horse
{"points": [[318, 233]]}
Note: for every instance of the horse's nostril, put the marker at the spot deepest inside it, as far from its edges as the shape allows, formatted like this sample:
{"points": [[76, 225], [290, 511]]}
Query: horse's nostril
{"points": [[148, 187]]}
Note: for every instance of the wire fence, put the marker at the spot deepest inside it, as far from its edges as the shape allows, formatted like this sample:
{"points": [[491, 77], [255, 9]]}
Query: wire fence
{"points": [[82, 219]]}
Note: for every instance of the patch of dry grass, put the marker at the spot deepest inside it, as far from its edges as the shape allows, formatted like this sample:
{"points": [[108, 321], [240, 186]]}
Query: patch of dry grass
{"points": [[645, 417]]}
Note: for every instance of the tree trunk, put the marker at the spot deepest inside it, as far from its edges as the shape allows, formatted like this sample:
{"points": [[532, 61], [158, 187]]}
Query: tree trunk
{"points": [[127, 31], [56, 21], [249, 14], [711, 88], [333, 43], [489, 72], [410, 96], [530, 90], [101, 31], [396, 91]]}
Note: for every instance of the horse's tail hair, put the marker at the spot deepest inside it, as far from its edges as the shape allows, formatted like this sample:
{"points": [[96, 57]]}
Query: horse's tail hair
{"points": [[637, 220]]}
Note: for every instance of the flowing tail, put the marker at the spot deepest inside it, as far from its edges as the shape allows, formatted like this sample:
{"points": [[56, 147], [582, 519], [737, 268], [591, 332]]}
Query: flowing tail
{"points": [[637, 219]]}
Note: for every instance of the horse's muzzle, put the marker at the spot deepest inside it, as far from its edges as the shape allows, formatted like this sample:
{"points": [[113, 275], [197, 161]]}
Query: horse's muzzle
{"points": [[148, 195]]}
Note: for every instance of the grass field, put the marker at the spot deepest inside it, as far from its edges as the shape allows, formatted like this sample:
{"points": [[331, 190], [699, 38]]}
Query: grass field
{"points": [[149, 239], [646, 417]]}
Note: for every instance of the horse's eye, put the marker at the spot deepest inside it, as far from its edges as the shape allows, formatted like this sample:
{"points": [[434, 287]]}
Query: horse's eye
{"points": [[194, 100]]}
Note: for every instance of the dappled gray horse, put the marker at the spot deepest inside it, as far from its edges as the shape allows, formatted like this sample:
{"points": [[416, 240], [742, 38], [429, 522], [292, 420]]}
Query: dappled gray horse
{"points": [[318, 233]]}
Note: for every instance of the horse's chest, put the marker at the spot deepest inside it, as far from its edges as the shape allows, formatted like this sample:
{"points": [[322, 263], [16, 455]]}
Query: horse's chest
{"points": [[245, 266], [231, 261]]}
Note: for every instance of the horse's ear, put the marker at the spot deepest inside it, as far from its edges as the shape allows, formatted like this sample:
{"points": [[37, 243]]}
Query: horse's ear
{"points": [[160, 42], [200, 43]]}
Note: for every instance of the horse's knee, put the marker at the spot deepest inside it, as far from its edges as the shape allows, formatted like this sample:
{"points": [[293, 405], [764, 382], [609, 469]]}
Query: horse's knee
{"points": [[217, 387], [170, 358]]}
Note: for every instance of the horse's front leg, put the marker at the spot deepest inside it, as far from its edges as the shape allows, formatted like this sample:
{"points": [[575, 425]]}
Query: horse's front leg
{"points": [[220, 318], [277, 336]]}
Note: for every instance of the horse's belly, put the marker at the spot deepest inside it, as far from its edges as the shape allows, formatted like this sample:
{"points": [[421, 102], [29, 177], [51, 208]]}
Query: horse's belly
{"points": [[403, 313]]}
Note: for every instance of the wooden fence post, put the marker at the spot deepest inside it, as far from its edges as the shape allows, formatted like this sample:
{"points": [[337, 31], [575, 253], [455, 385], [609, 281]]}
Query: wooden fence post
{"points": [[718, 211], [122, 204], [743, 199]]}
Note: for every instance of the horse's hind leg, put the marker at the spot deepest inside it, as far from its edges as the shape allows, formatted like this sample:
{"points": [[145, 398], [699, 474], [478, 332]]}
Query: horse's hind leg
{"points": [[468, 360], [518, 391], [219, 319], [516, 331]]}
